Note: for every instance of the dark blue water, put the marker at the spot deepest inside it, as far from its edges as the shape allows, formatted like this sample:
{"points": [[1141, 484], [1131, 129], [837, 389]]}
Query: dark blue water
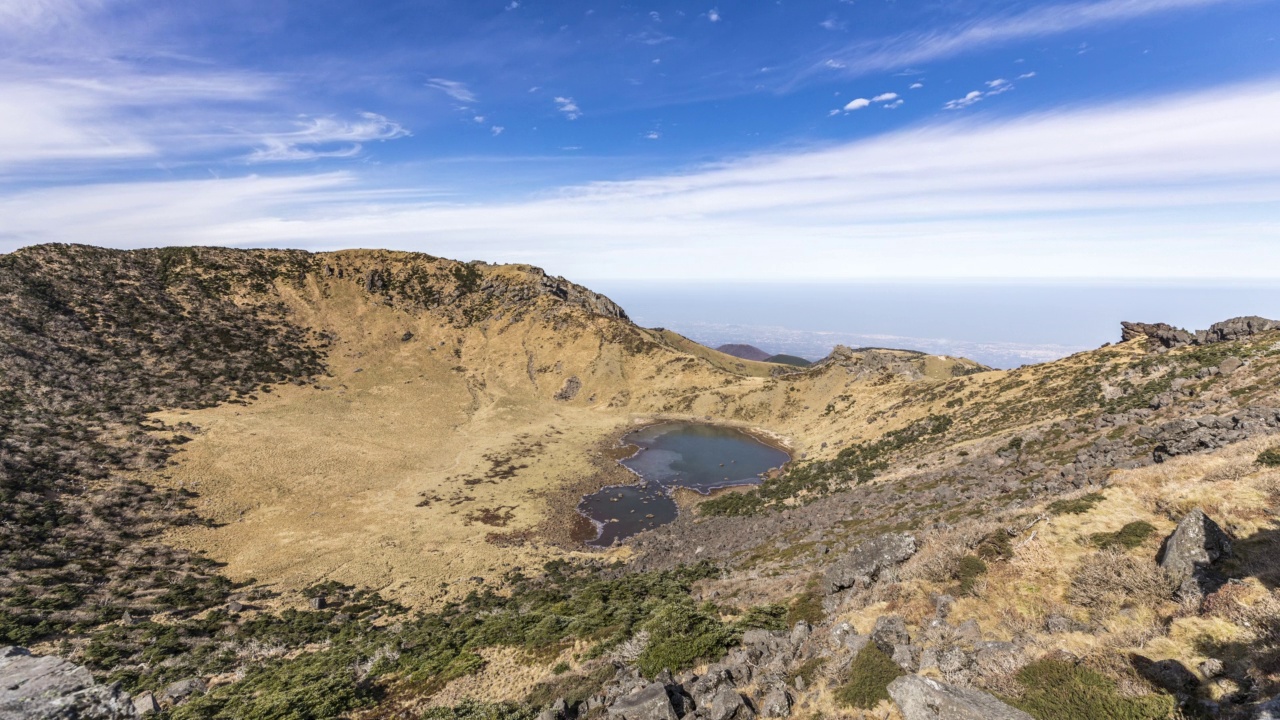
{"points": [[675, 454]]}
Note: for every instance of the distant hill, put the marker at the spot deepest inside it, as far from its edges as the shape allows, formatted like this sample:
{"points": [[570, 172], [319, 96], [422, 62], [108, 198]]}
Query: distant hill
{"points": [[746, 352], [788, 360]]}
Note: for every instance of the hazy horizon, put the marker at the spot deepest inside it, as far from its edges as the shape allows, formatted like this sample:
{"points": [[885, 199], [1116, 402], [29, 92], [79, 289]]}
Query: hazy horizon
{"points": [[1002, 324]]}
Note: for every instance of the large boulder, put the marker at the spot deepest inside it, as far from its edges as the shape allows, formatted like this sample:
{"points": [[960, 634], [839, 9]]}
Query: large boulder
{"points": [[50, 688], [865, 563], [1236, 329], [1192, 549], [1165, 334], [648, 703], [921, 698], [725, 704], [889, 632]]}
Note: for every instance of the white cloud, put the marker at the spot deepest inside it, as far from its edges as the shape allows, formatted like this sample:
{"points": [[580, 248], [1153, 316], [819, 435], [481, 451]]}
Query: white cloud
{"points": [[885, 97], [835, 64], [856, 104], [1027, 75], [894, 105], [497, 130], [916, 86], [568, 107], [454, 89], [655, 16], [1177, 186], [982, 34], [326, 138], [832, 24], [964, 102], [479, 119], [652, 135], [513, 4], [997, 83], [713, 15]]}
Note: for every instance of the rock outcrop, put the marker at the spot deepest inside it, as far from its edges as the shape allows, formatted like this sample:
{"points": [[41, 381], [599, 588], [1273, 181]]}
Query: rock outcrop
{"points": [[1171, 337], [865, 563], [1190, 552], [50, 688], [921, 698]]}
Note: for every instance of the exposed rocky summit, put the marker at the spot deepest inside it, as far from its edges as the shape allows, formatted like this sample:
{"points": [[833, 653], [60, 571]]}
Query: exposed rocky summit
{"points": [[1169, 336], [49, 688]]}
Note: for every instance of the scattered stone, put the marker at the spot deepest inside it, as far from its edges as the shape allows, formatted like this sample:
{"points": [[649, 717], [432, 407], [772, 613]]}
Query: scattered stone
{"points": [[942, 606], [1171, 675], [178, 691], [648, 703], [890, 632], [920, 698], [865, 563], [774, 700], [1211, 668], [1268, 711], [1058, 624], [1188, 554], [570, 388], [1230, 365], [145, 704], [235, 606], [318, 602], [969, 631], [50, 688]]}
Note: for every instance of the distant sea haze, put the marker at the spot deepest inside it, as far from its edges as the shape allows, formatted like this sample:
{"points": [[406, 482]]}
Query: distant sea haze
{"points": [[1001, 324]]}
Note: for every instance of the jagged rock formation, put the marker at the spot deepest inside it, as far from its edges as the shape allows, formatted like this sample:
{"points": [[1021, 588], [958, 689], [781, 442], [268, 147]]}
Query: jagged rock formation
{"points": [[1191, 551], [48, 688], [1171, 337], [865, 563]]}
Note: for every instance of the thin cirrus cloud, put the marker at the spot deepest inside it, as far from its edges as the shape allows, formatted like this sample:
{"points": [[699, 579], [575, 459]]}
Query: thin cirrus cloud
{"points": [[918, 48], [568, 107], [454, 89], [1108, 191], [327, 137]]}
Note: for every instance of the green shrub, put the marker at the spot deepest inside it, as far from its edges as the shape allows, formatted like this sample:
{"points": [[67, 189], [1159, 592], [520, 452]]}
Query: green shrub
{"points": [[681, 635], [1076, 506], [311, 687], [1130, 536], [733, 504], [996, 546], [473, 710], [807, 605], [561, 668], [1270, 457], [970, 569], [763, 617], [1058, 689], [867, 680]]}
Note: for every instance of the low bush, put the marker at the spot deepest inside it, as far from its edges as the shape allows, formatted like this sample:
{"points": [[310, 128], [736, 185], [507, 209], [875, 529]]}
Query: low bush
{"points": [[473, 710], [1130, 536], [807, 605], [867, 679], [1059, 689], [682, 634], [1076, 506], [1270, 457], [970, 569]]}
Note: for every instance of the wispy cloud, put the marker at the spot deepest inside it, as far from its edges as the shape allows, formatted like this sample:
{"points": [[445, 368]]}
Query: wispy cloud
{"points": [[920, 48], [454, 89], [1175, 186], [568, 107], [713, 15], [885, 97], [998, 86], [317, 138]]}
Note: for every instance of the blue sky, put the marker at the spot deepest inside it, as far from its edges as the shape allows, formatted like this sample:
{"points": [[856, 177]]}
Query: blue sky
{"points": [[824, 140]]}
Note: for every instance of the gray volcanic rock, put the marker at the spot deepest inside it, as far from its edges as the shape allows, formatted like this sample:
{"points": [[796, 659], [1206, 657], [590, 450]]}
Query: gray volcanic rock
{"points": [[865, 563], [1269, 710], [920, 698], [1163, 333], [1196, 544], [648, 703], [50, 688]]}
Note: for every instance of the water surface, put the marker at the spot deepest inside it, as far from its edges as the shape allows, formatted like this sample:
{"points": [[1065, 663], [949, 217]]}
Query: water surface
{"points": [[671, 455]]}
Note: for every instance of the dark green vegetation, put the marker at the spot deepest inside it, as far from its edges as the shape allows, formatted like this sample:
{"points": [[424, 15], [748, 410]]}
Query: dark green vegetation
{"points": [[788, 360], [811, 480], [1270, 457], [90, 342], [364, 660], [1130, 536], [867, 681], [971, 568], [1059, 689], [1076, 506]]}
